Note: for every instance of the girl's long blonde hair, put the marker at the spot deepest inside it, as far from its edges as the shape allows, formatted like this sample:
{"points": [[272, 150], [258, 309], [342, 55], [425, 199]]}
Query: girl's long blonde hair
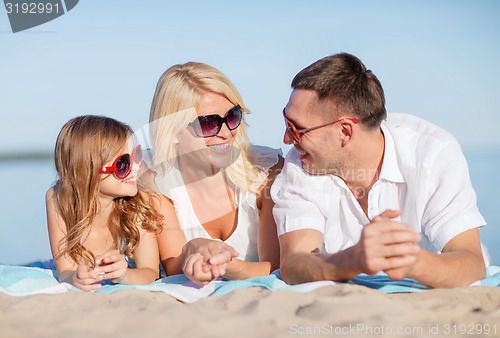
{"points": [[84, 145], [177, 95]]}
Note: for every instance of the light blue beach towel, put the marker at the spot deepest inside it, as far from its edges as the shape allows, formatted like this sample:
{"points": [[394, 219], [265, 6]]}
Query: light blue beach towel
{"points": [[22, 281]]}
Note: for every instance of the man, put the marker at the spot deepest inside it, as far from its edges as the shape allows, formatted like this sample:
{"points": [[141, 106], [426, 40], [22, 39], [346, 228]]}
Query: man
{"points": [[363, 192]]}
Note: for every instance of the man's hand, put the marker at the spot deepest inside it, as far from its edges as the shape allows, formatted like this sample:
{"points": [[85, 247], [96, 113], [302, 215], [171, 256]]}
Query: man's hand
{"points": [[387, 245]]}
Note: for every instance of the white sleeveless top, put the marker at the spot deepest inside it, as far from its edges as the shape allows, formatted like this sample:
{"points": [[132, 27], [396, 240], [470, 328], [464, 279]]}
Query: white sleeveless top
{"points": [[244, 237]]}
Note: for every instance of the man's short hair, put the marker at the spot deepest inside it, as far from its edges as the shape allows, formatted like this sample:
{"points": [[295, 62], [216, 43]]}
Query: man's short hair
{"points": [[344, 80]]}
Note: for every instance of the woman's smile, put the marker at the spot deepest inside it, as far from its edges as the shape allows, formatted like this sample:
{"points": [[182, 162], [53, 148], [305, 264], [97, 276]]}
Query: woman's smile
{"points": [[219, 148]]}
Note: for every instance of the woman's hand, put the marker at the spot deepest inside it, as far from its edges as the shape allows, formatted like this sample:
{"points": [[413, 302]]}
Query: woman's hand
{"points": [[86, 279], [111, 265], [206, 259]]}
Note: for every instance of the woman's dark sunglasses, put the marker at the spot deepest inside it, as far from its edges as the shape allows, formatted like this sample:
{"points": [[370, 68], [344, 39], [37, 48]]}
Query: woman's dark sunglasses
{"points": [[210, 125], [122, 166]]}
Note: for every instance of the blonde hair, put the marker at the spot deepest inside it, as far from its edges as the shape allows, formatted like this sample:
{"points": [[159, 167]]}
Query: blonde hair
{"points": [[177, 95], [83, 146]]}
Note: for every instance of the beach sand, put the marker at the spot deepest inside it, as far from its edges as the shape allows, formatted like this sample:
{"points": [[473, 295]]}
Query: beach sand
{"points": [[339, 310]]}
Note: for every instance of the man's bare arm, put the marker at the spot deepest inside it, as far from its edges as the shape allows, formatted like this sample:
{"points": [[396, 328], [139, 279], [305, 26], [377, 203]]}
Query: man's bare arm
{"points": [[460, 264], [384, 245], [301, 261]]}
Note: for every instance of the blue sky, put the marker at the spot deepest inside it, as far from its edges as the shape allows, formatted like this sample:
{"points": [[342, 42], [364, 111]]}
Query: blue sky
{"points": [[435, 59]]}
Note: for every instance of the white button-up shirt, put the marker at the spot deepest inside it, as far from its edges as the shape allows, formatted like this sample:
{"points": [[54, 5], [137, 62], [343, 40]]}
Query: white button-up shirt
{"points": [[424, 173]]}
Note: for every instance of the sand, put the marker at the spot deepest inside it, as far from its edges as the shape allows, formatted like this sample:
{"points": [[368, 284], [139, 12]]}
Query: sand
{"points": [[338, 310]]}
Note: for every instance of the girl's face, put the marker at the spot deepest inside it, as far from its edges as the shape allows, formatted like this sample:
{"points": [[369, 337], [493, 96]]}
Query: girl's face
{"points": [[214, 150], [113, 187]]}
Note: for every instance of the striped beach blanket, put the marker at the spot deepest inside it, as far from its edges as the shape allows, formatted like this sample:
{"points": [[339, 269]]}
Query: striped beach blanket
{"points": [[22, 281]]}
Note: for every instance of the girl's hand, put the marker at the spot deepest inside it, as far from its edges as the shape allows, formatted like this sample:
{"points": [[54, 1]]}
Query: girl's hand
{"points": [[86, 279], [111, 265], [196, 269], [206, 259]]}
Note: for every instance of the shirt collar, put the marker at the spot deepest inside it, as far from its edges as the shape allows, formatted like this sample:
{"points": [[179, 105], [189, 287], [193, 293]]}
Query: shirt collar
{"points": [[390, 170]]}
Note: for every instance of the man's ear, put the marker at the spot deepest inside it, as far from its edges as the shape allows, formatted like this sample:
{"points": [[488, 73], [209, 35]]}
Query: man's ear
{"points": [[347, 132]]}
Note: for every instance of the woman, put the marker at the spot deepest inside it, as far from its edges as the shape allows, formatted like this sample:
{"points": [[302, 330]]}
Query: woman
{"points": [[216, 185]]}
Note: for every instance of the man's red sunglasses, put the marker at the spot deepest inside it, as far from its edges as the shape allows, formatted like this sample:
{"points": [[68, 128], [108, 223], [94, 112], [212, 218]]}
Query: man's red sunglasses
{"points": [[296, 133], [122, 166]]}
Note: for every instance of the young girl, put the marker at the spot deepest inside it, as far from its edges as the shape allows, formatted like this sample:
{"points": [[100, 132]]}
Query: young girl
{"points": [[97, 219]]}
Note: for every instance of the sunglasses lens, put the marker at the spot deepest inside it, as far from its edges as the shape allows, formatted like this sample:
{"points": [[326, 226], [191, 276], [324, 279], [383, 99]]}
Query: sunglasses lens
{"points": [[233, 118], [123, 166], [208, 125], [292, 130]]}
